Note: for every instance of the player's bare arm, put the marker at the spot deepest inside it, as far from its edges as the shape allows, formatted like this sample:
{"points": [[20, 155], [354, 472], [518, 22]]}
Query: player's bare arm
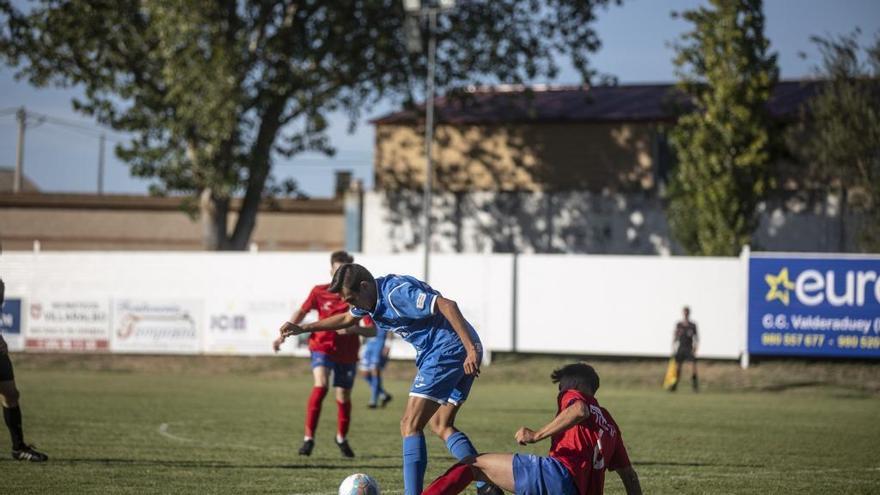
{"points": [[449, 309], [329, 324], [570, 416], [363, 331], [630, 480]]}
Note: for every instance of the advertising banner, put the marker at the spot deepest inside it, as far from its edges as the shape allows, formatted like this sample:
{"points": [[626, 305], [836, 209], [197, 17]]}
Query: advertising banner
{"points": [[157, 326], [814, 306], [10, 324], [68, 325], [245, 327]]}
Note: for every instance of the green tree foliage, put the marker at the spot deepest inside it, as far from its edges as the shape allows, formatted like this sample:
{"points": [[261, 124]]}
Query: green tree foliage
{"points": [[723, 146], [839, 134], [215, 90]]}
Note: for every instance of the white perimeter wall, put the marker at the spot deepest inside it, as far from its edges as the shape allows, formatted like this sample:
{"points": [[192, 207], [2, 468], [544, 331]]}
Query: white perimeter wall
{"points": [[629, 304], [233, 303]]}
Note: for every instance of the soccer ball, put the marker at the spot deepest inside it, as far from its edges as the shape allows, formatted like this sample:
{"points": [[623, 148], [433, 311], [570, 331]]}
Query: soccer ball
{"points": [[359, 484]]}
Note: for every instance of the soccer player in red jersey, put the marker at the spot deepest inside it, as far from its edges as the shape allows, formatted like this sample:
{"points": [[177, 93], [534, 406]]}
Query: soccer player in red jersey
{"points": [[585, 441], [332, 352]]}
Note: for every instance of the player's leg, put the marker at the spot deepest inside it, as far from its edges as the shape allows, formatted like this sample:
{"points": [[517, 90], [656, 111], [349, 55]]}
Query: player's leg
{"points": [[321, 375], [679, 362], [694, 380], [12, 414], [370, 364], [343, 382], [496, 469], [418, 412], [457, 442], [384, 396]]}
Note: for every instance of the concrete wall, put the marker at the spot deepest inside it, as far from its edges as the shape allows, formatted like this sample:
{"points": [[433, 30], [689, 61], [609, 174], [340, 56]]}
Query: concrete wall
{"points": [[580, 223], [88, 222]]}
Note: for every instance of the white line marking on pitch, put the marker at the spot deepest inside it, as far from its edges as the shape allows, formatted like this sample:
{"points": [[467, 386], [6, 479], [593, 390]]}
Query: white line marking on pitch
{"points": [[163, 430]]}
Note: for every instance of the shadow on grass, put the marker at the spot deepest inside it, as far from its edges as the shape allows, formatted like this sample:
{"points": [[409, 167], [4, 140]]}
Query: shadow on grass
{"points": [[208, 464], [694, 464], [782, 387]]}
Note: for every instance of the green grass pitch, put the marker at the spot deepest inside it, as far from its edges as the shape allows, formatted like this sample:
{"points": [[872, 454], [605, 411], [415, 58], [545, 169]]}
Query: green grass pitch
{"points": [[232, 425]]}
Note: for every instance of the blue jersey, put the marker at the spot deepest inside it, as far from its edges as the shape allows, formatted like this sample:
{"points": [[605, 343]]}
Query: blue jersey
{"points": [[408, 307]]}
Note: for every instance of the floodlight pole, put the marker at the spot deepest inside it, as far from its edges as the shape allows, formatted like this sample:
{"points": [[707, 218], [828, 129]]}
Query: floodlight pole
{"points": [[429, 137]]}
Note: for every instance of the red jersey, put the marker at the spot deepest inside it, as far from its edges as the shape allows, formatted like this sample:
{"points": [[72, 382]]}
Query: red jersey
{"points": [[343, 349], [589, 448]]}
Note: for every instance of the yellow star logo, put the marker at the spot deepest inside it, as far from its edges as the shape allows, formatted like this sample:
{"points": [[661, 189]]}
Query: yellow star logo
{"points": [[775, 281]]}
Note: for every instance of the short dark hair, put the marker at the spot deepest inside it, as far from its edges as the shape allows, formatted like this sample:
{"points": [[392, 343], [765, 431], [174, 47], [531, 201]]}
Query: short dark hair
{"points": [[341, 257], [350, 276], [573, 375]]}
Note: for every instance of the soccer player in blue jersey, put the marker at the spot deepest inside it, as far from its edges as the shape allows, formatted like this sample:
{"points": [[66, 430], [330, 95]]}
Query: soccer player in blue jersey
{"points": [[448, 355], [373, 361]]}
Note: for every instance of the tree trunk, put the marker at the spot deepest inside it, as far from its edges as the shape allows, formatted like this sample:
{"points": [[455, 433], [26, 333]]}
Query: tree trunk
{"points": [[259, 165], [213, 214]]}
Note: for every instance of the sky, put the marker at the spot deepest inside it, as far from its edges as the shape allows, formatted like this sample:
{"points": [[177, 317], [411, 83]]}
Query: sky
{"points": [[635, 38]]}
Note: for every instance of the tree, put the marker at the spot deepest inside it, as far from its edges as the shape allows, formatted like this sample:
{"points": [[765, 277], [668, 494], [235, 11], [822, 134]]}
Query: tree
{"points": [[839, 134], [215, 90], [723, 146]]}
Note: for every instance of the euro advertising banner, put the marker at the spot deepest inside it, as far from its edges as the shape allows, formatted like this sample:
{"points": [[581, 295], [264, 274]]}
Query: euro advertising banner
{"points": [[10, 323], [814, 306]]}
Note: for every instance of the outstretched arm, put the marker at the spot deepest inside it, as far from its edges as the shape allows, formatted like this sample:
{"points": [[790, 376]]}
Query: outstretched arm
{"points": [[359, 329], [449, 309], [570, 416], [630, 480], [331, 323]]}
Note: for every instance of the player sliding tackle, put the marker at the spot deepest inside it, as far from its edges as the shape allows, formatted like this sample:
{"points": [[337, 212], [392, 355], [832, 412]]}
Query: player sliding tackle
{"points": [[585, 441], [448, 357]]}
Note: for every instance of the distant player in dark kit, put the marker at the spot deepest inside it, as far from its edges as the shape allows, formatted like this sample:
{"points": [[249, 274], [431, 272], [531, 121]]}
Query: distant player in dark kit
{"points": [[11, 410], [448, 355], [685, 343], [333, 353], [584, 443]]}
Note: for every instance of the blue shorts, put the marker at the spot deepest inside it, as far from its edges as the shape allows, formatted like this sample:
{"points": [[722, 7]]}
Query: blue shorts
{"points": [[536, 475], [343, 374], [373, 358], [441, 377]]}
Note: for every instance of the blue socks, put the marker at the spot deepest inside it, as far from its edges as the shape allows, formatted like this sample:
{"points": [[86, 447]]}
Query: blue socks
{"points": [[375, 389], [460, 446], [415, 462]]}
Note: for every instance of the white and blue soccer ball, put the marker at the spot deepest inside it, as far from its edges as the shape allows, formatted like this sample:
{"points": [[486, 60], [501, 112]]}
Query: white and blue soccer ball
{"points": [[359, 484]]}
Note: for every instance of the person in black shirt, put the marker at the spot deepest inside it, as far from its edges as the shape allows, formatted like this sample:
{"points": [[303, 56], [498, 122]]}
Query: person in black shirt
{"points": [[11, 411], [685, 346]]}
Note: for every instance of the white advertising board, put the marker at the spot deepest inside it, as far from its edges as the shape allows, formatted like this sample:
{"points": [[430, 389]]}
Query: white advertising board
{"points": [[69, 324], [245, 326], [157, 325]]}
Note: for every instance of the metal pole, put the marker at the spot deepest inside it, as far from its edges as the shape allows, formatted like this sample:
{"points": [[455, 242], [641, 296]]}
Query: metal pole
{"points": [[21, 116], [101, 164], [429, 137]]}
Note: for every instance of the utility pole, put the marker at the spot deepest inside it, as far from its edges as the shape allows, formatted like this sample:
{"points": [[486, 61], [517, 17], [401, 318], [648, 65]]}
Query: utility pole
{"points": [[429, 137], [21, 116], [101, 164]]}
